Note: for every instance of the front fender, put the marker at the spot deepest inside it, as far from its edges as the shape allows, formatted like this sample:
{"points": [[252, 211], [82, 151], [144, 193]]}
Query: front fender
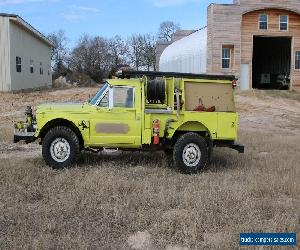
{"points": [[80, 126]]}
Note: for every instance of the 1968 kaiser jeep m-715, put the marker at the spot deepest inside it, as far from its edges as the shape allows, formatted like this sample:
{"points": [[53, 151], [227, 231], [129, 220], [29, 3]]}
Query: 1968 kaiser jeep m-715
{"points": [[185, 115]]}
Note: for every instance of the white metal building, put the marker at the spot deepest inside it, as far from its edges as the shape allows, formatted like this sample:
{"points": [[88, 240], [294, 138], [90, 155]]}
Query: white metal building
{"points": [[187, 55], [25, 55]]}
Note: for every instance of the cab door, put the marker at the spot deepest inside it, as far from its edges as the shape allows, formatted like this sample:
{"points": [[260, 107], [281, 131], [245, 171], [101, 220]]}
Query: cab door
{"points": [[117, 121]]}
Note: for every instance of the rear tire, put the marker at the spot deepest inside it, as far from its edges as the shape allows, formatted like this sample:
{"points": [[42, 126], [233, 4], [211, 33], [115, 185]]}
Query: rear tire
{"points": [[190, 153], [60, 147]]}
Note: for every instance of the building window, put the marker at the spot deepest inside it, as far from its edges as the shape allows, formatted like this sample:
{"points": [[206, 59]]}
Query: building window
{"points": [[19, 64], [227, 52], [41, 68], [31, 66], [297, 60], [263, 22], [284, 22]]}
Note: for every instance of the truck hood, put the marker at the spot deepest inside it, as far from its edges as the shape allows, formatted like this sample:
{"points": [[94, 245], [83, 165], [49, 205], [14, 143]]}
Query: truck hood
{"points": [[60, 107]]}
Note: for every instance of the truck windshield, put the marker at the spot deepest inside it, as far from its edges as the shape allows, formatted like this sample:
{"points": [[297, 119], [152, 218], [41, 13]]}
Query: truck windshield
{"points": [[94, 100]]}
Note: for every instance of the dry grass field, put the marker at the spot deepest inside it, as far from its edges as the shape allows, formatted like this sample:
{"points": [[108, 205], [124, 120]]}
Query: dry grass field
{"points": [[138, 201]]}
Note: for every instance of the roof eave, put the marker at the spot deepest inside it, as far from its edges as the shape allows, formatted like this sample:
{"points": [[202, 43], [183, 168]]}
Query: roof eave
{"points": [[31, 29]]}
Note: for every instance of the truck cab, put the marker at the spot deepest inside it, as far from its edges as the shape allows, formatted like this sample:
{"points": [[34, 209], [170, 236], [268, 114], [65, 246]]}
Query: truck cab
{"points": [[184, 115]]}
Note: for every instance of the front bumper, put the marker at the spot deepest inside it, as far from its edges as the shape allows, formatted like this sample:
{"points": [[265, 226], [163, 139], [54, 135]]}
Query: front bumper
{"points": [[26, 137]]}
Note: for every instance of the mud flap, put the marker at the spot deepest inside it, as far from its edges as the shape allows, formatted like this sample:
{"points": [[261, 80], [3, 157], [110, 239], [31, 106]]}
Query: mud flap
{"points": [[238, 147], [210, 149]]}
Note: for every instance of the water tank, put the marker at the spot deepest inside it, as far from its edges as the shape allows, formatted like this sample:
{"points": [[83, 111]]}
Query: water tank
{"points": [[187, 55]]}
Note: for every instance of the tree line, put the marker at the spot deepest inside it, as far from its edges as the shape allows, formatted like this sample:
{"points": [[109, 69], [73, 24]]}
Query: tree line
{"points": [[99, 57]]}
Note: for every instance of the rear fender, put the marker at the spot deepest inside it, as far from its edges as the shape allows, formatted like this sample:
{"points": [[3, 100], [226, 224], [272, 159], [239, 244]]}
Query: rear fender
{"points": [[191, 126]]}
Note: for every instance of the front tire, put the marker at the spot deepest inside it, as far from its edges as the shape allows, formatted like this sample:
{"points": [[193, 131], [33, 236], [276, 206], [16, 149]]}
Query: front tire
{"points": [[190, 153], [60, 147]]}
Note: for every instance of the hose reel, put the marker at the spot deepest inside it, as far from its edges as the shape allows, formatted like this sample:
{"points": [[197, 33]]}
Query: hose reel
{"points": [[156, 91]]}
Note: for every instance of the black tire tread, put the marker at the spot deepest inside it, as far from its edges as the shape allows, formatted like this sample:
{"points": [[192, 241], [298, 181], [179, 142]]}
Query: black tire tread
{"points": [[70, 136], [179, 146]]}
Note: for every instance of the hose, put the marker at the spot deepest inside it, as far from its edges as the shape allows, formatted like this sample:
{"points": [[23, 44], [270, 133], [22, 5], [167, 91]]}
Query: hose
{"points": [[156, 91]]}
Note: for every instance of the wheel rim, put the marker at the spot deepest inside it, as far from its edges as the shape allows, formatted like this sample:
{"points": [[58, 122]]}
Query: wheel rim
{"points": [[60, 150], [191, 155]]}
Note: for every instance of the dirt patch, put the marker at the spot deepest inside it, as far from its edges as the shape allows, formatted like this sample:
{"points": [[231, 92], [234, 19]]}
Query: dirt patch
{"points": [[9, 150], [267, 113]]}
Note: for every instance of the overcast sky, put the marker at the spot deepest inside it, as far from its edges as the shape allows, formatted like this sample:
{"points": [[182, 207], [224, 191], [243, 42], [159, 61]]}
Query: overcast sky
{"points": [[110, 17]]}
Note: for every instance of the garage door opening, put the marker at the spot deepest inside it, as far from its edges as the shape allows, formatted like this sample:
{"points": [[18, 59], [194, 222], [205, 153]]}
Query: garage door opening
{"points": [[271, 62]]}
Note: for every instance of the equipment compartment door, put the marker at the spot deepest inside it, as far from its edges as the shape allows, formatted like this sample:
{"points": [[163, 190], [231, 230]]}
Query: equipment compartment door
{"points": [[227, 126]]}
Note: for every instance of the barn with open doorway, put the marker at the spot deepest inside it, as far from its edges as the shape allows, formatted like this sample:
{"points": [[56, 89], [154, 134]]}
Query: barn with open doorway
{"points": [[271, 63], [257, 40]]}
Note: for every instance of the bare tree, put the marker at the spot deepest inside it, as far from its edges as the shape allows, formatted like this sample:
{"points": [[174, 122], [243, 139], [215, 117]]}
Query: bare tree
{"points": [[98, 57], [79, 57], [118, 50], [136, 50], [167, 29], [92, 57], [149, 55], [101, 59], [59, 52], [142, 51]]}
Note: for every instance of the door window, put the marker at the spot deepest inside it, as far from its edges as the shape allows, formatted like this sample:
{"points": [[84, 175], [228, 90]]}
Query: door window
{"points": [[123, 97]]}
